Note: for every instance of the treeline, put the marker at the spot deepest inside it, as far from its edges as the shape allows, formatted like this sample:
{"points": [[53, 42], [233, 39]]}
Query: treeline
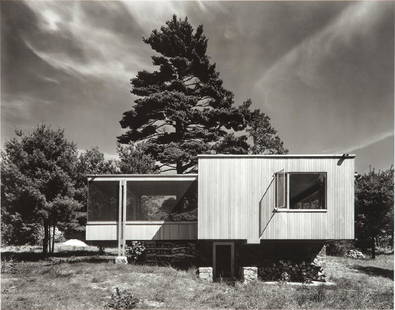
{"points": [[44, 184]]}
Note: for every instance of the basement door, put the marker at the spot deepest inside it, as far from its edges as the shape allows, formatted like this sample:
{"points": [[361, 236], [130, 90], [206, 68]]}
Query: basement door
{"points": [[223, 260]]}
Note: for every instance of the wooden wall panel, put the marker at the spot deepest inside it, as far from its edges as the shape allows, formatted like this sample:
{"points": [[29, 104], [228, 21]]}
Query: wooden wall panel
{"points": [[165, 231], [144, 231], [231, 187], [95, 232]]}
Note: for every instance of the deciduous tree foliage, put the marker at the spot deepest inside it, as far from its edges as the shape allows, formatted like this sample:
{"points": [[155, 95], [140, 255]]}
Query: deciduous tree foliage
{"points": [[182, 108], [133, 160], [374, 202], [38, 185]]}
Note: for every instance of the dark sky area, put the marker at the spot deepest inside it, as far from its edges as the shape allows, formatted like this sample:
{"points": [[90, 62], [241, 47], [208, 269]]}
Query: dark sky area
{"points": [[323, 72]]}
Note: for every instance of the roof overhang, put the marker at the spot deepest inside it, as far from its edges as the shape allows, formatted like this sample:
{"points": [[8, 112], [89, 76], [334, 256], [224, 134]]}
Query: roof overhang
{"points": [[344, 156], [143, 177]]}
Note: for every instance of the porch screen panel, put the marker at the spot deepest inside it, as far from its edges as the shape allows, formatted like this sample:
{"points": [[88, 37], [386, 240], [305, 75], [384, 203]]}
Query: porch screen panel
{"points": [[103, 200], [172, 201]]}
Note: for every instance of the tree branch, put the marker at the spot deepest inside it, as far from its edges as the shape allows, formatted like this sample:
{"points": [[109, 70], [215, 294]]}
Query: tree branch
{"points": [[188, 79], [166, 165], [168, 169]]}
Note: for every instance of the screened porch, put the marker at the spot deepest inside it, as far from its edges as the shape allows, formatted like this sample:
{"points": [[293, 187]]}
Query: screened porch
{"points": [[141, 207]]}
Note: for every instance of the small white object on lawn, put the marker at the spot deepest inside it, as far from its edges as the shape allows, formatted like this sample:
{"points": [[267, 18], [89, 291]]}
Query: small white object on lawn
{"points": [[121, 260], [74, 242]]}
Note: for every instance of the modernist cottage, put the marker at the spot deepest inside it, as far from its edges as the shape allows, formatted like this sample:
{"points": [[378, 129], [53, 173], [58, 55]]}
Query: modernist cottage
{"points": [[238, 209]]}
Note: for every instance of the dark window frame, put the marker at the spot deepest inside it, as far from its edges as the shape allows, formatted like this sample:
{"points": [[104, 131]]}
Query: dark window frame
{"points": [[287, 184], [168, 220]]}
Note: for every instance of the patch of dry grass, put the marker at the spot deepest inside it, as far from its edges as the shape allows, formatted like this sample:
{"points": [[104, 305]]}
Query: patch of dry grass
{"points": [[83, 285]]}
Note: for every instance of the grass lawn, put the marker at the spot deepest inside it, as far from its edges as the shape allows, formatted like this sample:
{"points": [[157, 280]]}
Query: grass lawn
{"points": [[88, 285]]}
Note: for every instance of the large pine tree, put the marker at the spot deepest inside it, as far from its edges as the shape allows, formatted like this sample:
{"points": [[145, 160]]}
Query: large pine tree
{"points": [[182, 108]]}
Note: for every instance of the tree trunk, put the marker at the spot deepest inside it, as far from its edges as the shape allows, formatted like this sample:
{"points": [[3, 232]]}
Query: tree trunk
{"points": [[179, 137], [179, 168], [53, 239], [373, 245], [46, 239]]}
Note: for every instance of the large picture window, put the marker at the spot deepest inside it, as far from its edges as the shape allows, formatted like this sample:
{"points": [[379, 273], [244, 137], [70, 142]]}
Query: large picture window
{"points": [[301, 190], [161, 201]]}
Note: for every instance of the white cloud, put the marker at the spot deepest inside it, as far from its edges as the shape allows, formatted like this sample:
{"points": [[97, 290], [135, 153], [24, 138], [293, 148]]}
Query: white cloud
{"points": [[363, 144], [151, 14], [305, 58], [51, 20], [107, 54], [370, 141]]}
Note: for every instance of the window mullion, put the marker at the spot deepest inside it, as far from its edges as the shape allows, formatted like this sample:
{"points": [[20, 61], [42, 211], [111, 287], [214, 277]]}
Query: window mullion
{"points": [[287, 191]]}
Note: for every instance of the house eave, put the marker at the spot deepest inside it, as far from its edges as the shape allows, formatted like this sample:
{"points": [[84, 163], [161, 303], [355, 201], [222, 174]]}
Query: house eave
{"points": [[344, 156]]}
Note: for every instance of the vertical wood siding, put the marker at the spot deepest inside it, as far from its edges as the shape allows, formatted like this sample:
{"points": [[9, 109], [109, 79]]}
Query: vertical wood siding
{"points": [[231, 189], [143, 231]]}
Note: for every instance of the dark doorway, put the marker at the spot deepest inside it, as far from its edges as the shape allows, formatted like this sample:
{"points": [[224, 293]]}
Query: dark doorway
{"points": [[223, 260]]}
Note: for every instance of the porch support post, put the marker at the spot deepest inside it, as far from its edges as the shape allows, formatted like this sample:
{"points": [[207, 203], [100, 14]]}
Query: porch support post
{"points": [[119, 218], [249, 274], [121, 258], [123, 253]]}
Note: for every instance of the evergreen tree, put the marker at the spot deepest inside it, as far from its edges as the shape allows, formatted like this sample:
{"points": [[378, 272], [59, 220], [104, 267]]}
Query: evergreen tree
{"points": [[132, 159], [182, 109], [265, 137]]}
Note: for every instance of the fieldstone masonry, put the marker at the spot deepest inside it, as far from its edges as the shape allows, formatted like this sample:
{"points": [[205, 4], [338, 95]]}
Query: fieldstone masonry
{"points": [[250, 274], [206, 273], [121, 260]]}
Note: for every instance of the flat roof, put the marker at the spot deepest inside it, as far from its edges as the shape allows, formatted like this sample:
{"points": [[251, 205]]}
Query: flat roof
{"points": [[144, 176], [277, 156]]}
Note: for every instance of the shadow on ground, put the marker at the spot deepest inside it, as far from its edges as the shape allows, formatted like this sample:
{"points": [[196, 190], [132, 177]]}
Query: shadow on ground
{"points": [[78, 257], [69, 257], [375, 271]]}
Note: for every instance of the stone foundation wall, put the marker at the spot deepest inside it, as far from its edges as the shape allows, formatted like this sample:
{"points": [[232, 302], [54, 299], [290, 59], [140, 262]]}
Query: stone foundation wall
{"points": [[121, 260], [249, 274], [160, 252], [206, 273]]}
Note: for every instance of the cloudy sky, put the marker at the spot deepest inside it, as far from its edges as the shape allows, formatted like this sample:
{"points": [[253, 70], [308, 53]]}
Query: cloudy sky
{"points": [[324, 72]]}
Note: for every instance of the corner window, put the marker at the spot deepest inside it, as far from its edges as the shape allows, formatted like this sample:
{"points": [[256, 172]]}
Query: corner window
{"points": [[300, 190]]}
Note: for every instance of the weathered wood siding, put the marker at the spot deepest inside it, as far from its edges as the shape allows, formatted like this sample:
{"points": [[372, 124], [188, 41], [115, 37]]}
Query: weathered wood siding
{"points": [[232, 204], [143, 231], [101, 232]]}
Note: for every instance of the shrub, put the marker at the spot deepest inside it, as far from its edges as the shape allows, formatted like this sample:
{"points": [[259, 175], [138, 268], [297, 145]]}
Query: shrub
{"points": [[8, 266], [339, 248], [291, 271], [122, 299], [354, 254], [135, 251]]}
